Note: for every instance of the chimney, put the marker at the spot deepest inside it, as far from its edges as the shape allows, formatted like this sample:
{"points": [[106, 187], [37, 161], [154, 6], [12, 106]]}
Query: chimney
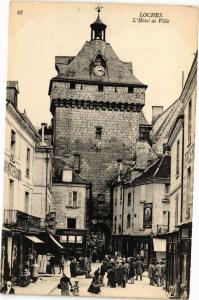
{"points": [[43, 125], [156, 112], [12, 92]]}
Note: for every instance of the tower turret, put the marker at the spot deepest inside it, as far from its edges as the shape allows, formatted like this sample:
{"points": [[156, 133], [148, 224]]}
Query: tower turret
{"points": [[98, 28]]}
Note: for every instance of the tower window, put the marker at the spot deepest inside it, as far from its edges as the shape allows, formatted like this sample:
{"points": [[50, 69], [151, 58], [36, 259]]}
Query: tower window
{"points": [[130, 89], [98, 133], [100, 199], [72, 86], [100, 88]]}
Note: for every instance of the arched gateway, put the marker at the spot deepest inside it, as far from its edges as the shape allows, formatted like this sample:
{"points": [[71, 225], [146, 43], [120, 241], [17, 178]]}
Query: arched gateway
{"points": [[99, 241]]}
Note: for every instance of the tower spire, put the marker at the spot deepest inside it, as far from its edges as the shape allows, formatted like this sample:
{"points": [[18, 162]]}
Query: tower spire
{"points": [[98, 27]]}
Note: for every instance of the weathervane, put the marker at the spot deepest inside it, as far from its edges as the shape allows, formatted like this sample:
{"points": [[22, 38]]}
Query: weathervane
{"points": [[98, 8]]}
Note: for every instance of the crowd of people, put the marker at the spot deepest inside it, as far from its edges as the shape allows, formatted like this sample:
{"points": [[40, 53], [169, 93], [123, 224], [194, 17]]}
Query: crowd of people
{"points": [[118, 270], [121, 270]]}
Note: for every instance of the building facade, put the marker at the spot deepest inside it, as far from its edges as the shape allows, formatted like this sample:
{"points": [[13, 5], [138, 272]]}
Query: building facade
{"points": [[70, 202], [24, 212], [141, 211], [182, 145]]}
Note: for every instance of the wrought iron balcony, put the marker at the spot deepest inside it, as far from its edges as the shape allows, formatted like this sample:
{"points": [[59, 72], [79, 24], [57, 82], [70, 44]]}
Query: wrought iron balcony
{"points": [[161, 229], [22, 221]]}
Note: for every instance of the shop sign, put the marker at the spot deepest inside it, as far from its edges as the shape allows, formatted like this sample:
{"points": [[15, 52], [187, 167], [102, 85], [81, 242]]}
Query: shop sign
{"points": [[12, 170], [51, 222]]}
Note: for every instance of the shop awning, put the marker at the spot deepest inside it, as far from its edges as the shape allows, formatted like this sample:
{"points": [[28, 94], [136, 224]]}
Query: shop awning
{"points": [[5, 228], [56, 242], [159, 245], [34, 239]]}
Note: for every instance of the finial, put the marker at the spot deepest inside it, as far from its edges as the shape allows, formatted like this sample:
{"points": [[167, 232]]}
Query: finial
{"points": [[98, 8]]}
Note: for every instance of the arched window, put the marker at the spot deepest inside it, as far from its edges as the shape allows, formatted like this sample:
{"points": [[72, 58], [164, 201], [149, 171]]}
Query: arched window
{"points": [[128, 223]]}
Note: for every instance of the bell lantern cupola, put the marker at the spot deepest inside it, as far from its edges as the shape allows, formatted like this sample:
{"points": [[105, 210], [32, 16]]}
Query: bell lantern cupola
{"points": [[98, 28]]}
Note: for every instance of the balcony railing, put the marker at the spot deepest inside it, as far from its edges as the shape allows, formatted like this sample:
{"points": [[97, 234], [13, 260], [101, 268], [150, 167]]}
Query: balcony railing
{"points": [[21, 220], [161, 229]]}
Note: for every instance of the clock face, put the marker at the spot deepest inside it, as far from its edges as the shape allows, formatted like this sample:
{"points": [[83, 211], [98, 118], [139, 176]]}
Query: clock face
{"points": [[99, 71]]}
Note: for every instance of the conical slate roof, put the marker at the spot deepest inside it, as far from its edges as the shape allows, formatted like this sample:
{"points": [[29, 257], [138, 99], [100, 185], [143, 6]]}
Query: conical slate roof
{"points": [[98, 22]]}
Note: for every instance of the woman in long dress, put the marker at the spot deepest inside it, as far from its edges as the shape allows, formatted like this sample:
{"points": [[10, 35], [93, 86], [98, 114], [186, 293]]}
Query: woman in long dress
{"points": [[65, 285], [94, 287]]}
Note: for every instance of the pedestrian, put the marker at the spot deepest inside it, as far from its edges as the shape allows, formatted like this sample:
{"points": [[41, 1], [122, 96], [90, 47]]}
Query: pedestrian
{"points": [[52, 264], [119, 273], [102, 272], [94, 255], [158, 273], [124, 275], [73, 267], [139, 268], [151, 273], [61, 265], [87, 267], [94, 287], [111, 277], [64, 284], [7, 288], [76, 289], [132, 270], [163, 272]]}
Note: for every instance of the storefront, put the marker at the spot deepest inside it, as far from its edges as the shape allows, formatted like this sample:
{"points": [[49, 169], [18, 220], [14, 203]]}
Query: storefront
{"points": [[133, 246], [172, 260], [73, 240], [6, 253], [185, 233]]}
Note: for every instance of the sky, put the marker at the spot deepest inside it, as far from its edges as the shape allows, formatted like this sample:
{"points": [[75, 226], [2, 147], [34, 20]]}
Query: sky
{"points": [[159, 51]]}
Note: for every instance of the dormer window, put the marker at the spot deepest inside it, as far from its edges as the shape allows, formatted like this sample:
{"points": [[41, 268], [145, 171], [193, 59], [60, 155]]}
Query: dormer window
{"points": [[67, 175]]}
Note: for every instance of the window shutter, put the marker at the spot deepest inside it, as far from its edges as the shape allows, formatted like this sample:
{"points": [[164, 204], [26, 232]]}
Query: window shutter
{"points": [[70, 199], [79, 195]]}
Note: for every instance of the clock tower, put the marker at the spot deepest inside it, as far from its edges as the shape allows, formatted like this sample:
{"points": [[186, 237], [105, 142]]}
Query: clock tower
{"points": [[96, 102]]}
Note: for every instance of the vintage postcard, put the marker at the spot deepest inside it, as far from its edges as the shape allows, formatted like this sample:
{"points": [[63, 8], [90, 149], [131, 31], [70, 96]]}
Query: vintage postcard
{"points": [[99, 150]]}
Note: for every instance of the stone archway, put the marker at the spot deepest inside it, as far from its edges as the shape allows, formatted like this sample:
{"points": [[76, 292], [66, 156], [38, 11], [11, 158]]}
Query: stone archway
{"points": [[99, 240]]}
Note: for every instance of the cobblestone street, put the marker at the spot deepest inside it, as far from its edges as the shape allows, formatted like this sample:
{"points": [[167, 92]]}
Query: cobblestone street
{"points": [[48, 286]]}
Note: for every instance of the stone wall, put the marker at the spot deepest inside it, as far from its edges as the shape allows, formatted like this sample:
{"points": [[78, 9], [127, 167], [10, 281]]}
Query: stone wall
{"points": [[75, 133]]}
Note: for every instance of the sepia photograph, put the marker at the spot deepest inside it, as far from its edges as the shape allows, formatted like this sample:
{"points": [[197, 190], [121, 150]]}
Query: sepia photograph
{"points": [[99, 147]]}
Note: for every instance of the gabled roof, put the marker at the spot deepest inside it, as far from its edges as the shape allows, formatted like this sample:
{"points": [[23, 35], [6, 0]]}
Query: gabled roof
{"points": [[79, 67], [160, 169], [164, 122], [24, 118]]}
